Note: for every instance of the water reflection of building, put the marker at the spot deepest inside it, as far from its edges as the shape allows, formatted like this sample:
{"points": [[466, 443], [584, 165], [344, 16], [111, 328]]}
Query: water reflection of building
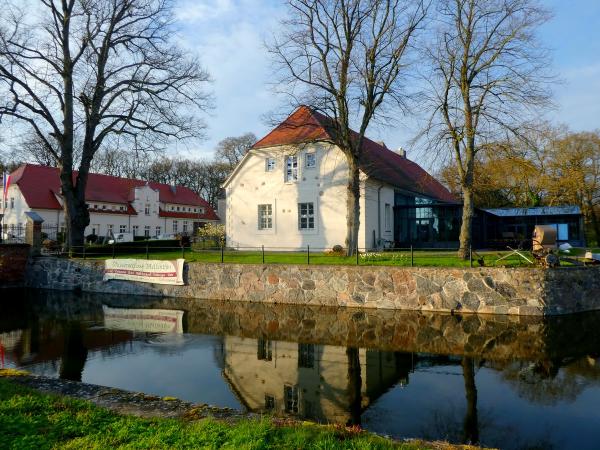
{"points": [[319, 382]]}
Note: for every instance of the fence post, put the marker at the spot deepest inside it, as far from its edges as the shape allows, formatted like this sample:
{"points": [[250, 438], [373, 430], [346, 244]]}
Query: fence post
{"points": [[263, 253], [222, 252], [147, 252], [84, 250], [113, 251], [308, 254], [183, 252], [357, 256], [470, 256], [412, 256]]}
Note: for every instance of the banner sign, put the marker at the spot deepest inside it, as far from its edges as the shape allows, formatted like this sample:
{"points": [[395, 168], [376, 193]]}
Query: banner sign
{"points": [[145, 271], [147, 320]]}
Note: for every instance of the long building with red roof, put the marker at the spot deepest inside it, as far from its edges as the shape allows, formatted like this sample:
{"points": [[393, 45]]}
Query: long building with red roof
{"points": [[290, 190], [116, 205]]}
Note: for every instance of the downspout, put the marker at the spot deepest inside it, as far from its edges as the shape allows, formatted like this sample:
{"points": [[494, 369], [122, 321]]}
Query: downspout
{"points": [[379, 214]]}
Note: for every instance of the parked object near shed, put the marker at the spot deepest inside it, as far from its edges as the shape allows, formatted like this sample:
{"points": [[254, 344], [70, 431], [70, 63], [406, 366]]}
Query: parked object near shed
{"points": [[544, 245]]}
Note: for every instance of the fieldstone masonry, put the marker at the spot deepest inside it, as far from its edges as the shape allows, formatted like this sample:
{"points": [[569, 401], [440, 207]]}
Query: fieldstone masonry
{"points": [[530, 291]]}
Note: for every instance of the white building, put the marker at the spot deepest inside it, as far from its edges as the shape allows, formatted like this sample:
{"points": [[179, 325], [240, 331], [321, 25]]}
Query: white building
{"points": [[289, 191], [116, 205]]}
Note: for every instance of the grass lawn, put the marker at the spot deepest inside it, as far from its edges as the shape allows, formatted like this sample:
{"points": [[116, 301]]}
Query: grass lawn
{"points": [[29, 419], [421, 258]]}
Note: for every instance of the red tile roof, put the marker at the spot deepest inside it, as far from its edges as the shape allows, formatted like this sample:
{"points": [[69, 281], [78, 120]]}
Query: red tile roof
{"points": [[40, 185], [306, 125]]}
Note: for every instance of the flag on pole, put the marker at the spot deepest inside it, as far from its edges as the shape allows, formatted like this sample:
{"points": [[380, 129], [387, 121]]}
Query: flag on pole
{"points": [[5, 184]]}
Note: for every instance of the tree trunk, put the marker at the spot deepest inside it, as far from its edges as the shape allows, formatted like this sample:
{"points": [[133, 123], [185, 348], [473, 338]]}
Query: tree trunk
{"points": [[352, 206], [471, 424], [466, 228], [77, 217], [594, 219]]}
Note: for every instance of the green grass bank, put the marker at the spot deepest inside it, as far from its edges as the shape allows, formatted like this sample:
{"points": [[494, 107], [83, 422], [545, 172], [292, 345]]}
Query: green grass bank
{"points": [[30, 419]]}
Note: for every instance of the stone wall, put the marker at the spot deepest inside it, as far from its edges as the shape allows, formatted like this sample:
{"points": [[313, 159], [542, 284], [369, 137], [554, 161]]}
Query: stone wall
{"points": [[13, 259], [482, 290]]}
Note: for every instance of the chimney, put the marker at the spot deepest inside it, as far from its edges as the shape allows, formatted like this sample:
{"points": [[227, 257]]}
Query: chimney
{"points": [[382, 144], [401, 152]]}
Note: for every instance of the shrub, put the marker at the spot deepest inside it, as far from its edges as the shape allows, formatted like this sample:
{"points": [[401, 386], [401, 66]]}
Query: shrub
{"points": [[91, 238], [213, 231], [337, 250]]}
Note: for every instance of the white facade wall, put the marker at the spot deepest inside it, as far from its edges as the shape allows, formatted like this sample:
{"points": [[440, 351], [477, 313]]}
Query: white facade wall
{"points": [[324, 186], [101, 223]]}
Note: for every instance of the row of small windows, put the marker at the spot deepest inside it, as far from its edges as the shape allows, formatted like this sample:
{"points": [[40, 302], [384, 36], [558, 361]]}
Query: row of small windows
{"points": [[147, 208], [189, 209], [306, 216], [291, 165]]}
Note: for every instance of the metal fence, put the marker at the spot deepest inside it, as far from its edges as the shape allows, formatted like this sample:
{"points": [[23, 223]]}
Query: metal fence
{"points": [[13, 234], [209, 252]]}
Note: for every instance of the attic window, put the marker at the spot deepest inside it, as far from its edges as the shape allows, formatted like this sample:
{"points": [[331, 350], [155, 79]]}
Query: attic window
{"points": [[122, 208], [103, 206], [95, 206], [178, 208], [201, 210]]}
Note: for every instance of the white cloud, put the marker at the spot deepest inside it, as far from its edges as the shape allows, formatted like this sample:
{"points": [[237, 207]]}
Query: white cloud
{"points": [[202, 10]]}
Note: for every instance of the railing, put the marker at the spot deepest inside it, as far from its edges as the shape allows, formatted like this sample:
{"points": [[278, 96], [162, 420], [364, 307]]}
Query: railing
{"points": [[208, 252], [13, 234]]}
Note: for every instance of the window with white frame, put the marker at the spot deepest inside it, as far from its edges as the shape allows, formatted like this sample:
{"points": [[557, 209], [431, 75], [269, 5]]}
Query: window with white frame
{"points": [[175, 226], [265, 217], [109, 229], [157, 231], [147, 209], [136, 230], [311, 160], [122, 228], [270, 164], [306, 216], [147, 230], [185, 226], [291, 168], [388, 217]]}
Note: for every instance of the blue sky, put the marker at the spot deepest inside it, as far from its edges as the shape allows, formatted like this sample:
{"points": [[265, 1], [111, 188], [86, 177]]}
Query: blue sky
{"points": [[228, 36]]}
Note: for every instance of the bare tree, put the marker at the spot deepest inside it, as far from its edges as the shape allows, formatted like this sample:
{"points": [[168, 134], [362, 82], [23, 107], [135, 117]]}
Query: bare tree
{"points": [[488, 76], [100, 69], [345, 59], [232, 149]]}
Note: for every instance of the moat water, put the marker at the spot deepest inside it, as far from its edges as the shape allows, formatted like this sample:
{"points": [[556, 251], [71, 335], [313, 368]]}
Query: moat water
{"points": [[494, 380]]}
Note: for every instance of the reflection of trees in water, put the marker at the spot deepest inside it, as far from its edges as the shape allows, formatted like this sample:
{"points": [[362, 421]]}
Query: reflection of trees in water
{"points": [[354, 386], [548, 382], [471, 425], [74, 354]]}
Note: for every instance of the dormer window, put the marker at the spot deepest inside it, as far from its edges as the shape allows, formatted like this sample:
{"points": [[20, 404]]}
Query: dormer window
{"points": [[291, 168], [178, 208], [103, 206], [122, 208]]}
